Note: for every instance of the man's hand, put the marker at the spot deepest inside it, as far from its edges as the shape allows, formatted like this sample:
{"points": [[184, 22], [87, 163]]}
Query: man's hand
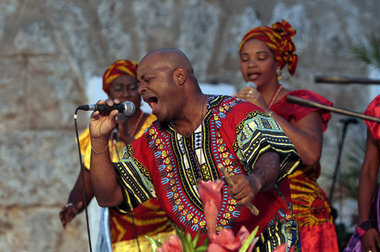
{"points": [[262, 178], [244, 190], [102, 123]]}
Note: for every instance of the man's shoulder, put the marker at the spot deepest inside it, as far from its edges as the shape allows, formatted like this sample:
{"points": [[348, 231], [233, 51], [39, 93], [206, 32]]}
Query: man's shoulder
{"points": [[223, 101], [153, 130], [229, 104]]}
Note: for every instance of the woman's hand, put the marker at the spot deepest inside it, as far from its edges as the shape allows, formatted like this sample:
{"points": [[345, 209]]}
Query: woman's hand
{"points": [[69, 211], [371, 240], [253, 96], [123, 132]]}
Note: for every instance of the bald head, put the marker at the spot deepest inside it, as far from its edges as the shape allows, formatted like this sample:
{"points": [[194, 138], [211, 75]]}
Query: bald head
{"points": [[167, 83], [168, 59]]}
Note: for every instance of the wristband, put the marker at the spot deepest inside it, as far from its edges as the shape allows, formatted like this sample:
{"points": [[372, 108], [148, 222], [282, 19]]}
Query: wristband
{"points": [[361, 232], [364, 227]]}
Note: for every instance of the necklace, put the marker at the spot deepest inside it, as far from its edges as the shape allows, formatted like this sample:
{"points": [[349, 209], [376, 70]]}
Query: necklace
{"points": [[132, 131], [198, 160], [274, 96]]}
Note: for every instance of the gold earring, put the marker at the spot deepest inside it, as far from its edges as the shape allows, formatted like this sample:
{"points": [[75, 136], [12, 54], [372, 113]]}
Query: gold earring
{"points": [[279, 74]]}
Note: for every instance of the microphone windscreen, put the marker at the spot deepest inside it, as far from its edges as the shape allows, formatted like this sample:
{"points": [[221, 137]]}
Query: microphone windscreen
{"points": [[129, 108], [250, 84]]}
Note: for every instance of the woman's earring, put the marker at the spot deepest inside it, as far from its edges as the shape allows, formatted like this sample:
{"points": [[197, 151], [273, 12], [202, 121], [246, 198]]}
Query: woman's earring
{"points": [[279, 74]]}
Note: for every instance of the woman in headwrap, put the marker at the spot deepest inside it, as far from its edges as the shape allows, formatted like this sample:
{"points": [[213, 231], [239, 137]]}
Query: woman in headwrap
{"points": [[127, 230], [264, 51]]}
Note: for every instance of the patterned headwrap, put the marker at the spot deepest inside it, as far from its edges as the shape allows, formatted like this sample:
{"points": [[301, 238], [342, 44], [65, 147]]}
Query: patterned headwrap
{"points": [[279, 39], [118, 68]]}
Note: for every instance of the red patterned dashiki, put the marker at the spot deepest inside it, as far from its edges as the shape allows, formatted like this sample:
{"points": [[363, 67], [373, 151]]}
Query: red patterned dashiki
{"points": [[149, 219], [167, 165], [310, 204]]}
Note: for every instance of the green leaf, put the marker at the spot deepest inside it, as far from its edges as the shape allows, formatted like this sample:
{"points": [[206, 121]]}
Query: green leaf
{"points": [[201, 248], [186, 243], [155, 244], [189, 244], [368, 51], [188, 237], [249, 240], [195, 240]]}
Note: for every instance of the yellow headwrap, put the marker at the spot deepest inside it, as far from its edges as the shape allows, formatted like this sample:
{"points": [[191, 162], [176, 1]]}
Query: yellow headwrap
{"points": [[118, 68]]}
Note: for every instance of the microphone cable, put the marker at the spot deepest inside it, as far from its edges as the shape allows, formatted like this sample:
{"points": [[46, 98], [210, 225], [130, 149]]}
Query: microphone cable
{"points": [[82, 176]]}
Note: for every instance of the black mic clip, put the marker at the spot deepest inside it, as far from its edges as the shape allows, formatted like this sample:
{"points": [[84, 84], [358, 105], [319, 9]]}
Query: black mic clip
{"points": [[349, 120]]}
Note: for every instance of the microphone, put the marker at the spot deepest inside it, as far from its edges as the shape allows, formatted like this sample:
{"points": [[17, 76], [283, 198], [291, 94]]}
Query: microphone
{"points": [[250, 84], [127, 108]]}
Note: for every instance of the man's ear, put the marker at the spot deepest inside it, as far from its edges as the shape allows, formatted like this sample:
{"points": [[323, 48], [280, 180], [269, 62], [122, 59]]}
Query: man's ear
{"points": [[180, 76]]}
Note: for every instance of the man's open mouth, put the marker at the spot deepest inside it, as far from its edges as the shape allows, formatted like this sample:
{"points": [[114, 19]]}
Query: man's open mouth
{"points": [[152, 101]]}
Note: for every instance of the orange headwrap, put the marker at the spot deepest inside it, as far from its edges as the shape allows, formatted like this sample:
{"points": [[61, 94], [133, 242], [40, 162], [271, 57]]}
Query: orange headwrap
{"points": [[279, 39], [118, 68]]}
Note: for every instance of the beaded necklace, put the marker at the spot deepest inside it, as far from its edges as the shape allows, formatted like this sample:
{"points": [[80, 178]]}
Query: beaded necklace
{"points": [[275, 96]]}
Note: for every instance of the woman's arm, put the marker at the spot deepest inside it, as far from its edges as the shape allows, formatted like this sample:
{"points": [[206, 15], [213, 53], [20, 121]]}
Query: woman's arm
{"points": [[367, 185], [305, 134], [75, 202]]}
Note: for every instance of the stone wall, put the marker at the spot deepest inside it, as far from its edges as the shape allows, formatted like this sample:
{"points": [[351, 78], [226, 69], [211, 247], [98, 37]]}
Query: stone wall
{"points": [[50, 49]]}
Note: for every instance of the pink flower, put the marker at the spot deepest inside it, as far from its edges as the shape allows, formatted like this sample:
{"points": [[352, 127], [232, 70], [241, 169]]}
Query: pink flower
{"points": [[227, 241], [209, 192], [173, 245]]}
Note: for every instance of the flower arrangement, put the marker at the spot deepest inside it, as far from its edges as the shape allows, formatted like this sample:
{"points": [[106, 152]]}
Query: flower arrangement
{"points": [[224, 241]]}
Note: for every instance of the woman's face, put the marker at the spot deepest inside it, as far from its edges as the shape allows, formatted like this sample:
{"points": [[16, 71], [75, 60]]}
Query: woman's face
{"points": [[257, 63], [125, 88]]}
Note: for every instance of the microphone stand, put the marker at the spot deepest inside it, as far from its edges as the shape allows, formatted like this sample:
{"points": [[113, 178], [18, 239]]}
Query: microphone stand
{"points": [[345, 122], [308, 103], [345, 80]]}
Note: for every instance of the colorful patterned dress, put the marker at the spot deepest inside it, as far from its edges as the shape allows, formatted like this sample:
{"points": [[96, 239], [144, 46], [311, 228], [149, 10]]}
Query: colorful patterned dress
{"points": [[373, 109], [310, 204], [167, 165], [355, 244], [149, 218]]}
